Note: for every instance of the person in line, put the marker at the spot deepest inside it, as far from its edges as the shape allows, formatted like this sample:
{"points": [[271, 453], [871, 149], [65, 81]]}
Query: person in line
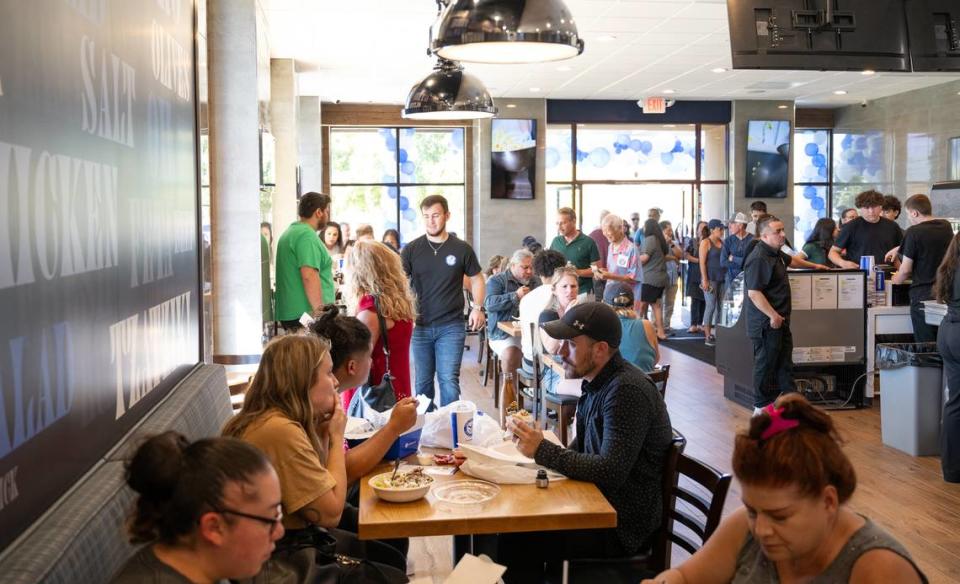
{"points": [[652, 213], [946, 290], [365, 232], [494, 266], [692, 287], [505, 291], [292, 413], [768, 313], [376, 272], [638, 343], [757, 209], [822, 237], [547, 266], [870, 234], [634, 224], [891, 208], [391, 238], [669, 299], [623, 434], [653, 254], [579, 249], [304, 268], [348, 239], [603, 245], [333, 240], [924, 245], [565, 297], [623, 258], [734, 250], [208, 511], [436, 264], [795, 525], [711, 278], [847, 215]]}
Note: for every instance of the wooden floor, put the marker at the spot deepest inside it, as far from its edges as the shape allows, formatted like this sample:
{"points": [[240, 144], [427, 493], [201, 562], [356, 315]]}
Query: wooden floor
{"points": [[903, 494]]}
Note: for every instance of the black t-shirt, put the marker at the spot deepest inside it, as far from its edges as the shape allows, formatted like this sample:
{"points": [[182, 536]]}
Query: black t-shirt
{"points": [[861, 238], [766, 270], [436, 274], [926, 243]]}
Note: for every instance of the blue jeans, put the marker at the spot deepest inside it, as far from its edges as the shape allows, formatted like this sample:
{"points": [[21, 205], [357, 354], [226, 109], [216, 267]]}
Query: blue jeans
{"points": [[438, 350]]}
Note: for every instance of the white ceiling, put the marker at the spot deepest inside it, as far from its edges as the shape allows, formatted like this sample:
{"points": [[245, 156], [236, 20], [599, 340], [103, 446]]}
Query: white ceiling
{"points": [[362, 51]]}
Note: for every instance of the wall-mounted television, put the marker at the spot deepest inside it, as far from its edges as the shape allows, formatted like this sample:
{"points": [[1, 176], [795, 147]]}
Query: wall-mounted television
{"points": [[513, 159], [934, 27], [768, 158]]}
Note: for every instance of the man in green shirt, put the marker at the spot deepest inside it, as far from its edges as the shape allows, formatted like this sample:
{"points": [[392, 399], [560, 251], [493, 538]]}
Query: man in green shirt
{"points": [[304, 268], [580, 250]]}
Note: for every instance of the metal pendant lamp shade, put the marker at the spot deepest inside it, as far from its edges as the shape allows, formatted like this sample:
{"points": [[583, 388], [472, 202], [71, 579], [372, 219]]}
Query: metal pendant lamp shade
{"points": [[449, 94], [506, 31]]}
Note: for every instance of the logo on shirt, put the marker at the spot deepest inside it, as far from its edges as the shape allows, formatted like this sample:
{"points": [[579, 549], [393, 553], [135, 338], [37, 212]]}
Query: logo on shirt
{"points": [[451, 260]]}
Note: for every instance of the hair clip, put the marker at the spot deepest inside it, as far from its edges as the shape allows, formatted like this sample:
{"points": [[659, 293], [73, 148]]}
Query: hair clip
{"points": [[778, 423]]}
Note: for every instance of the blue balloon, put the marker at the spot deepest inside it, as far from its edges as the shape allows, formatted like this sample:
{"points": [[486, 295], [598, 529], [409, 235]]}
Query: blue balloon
{"points": [[666, 158], [581, 155], [861, 143], [599, 157], [407, 167], [390, 225], [847, 142], [552, 157], [402, 155], [646, 147], [409, 214], [391, 142], [404, 203], [409, 132], [809, 192], [636, 145], [819, 160], [858, 160], [822, 171], [388, 178], [457, 138], [816, 203], [392, 192], [677, 147], [811, 149], [623, 139]]}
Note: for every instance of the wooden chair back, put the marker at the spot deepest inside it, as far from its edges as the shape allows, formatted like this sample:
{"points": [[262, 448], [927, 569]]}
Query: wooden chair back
{"points": [[659, 378], [708, 508]]}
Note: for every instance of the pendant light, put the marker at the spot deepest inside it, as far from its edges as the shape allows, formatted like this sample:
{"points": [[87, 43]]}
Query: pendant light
{"points": [[449, 94], [506, 31]]}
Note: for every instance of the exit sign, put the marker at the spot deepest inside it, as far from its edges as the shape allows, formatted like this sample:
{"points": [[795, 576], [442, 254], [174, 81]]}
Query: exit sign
{"points": [[655, 105]]}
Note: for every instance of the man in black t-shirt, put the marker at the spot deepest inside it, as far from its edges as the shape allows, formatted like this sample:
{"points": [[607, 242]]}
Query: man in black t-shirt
{"points": [[870, 234], [924, 246], [768, 313], [436, 264]]}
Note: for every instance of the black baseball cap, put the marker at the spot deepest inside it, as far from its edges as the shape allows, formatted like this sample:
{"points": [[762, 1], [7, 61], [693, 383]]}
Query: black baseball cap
{"points": [[593, 319], [619, 294]]}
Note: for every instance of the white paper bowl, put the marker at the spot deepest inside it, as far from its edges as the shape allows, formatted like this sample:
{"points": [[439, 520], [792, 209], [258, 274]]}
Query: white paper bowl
{"points": [[399, 495]]}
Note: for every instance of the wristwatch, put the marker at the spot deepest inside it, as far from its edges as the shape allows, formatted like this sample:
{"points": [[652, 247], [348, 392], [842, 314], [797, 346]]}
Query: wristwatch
{"points": [[478, 307]]}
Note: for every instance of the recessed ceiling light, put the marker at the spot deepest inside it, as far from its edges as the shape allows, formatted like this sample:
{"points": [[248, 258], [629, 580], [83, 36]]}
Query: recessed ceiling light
{"points": [[719, 70], [668, 91], [840, 92], [778, 107], [534, 90], [564, 68], [511, 105], [868, 72], [606, 38]]}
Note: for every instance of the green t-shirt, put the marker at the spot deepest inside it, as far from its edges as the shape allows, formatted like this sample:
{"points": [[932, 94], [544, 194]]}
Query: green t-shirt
{"points": [[581, 252], [300, 246]]}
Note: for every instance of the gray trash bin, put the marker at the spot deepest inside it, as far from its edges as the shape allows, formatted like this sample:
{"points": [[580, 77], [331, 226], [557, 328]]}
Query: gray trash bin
{"points": [[911, 379]]}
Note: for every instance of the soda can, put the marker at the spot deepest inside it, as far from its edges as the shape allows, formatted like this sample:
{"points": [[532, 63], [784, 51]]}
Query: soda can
{"points": [[880, 278]]}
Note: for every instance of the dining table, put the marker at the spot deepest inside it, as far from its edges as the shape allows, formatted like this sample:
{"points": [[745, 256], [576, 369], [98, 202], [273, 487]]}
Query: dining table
{"points": [[511, 327], [564, 505]]}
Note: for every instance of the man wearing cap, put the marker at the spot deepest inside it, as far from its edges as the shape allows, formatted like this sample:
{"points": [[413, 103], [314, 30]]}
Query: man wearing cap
{"points": [[734, 250], [623, 434]]}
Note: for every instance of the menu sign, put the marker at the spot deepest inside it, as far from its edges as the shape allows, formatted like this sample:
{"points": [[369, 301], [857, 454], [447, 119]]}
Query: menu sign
{"points": [[98, 233]]}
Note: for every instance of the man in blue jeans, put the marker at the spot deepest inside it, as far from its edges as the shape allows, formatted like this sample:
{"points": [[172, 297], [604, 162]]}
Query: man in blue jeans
{"points": [[436, 264]]}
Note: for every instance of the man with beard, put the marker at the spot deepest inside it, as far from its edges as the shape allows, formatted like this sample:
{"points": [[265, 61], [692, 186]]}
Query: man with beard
{"points": [[504, 292], [304, 268], [436, 264], [623, 434]]}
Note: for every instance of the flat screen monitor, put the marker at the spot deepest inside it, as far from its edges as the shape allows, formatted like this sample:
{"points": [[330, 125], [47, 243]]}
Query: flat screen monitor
{"points": [[934, 27], [513, 159], [799, 34], [768, 157]]}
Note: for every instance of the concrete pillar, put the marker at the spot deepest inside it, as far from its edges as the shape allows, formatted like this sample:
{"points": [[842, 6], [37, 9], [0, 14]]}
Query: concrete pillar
{"points": [[310, 138], [283, 126], [234, 180]]}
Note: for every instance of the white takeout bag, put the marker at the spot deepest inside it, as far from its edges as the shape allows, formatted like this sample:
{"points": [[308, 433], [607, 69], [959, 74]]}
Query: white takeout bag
{"points": [[503, 464], [438, 431]]}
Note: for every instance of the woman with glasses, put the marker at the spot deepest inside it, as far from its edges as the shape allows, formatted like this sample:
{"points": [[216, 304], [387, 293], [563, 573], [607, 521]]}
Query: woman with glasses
{"points": [[208, 511]]}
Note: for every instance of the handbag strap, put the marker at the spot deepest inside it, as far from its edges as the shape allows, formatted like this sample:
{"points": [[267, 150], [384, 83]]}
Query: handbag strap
{"points": [[383, 332]]}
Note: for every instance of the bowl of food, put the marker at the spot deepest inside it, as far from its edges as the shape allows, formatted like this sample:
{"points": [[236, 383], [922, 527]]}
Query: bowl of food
{"points": [[405, 487]]}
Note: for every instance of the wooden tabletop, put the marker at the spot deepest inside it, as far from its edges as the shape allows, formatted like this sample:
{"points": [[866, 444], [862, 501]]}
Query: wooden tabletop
{"points": [[565, 504], [511, 327]]}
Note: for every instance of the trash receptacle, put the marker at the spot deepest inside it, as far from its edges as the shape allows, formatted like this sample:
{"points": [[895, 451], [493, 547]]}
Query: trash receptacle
{"points": [[911, 380]]}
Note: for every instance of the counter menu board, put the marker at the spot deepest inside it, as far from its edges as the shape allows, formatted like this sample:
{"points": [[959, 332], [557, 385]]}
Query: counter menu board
{"points": [[98, 233]]}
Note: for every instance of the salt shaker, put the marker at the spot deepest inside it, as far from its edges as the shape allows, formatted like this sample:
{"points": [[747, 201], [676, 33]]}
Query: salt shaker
{"points": [[542, 480]]}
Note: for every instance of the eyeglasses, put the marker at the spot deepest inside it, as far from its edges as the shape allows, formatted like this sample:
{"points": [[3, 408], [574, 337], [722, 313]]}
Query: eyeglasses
{"points": [[273, 522]]}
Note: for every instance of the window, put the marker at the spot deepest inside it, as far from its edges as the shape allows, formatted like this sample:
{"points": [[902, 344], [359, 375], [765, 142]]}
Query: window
{"points": [[811, 176], [378, 176]]}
